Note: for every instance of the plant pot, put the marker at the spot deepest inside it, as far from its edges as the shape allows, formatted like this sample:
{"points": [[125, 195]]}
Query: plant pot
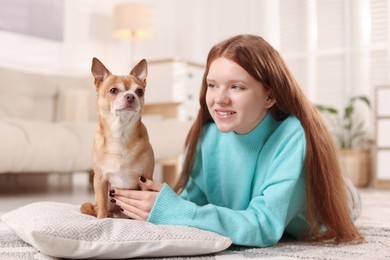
{"points": [[355, 163]]}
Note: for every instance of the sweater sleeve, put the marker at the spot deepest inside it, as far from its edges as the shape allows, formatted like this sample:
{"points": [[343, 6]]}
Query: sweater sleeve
{"points": [[193, 193], [261, 224], [275, 202]]}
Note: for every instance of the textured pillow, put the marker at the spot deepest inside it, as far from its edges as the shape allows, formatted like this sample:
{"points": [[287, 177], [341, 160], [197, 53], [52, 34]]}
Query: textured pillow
{"points": [[60, 230]]}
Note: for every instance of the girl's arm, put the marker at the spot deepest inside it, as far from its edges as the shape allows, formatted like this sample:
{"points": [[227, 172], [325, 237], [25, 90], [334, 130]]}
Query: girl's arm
{"points": [[261, 224]]}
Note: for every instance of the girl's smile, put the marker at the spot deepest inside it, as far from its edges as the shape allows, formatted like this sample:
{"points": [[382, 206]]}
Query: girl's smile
{"points": [[223, 114]]}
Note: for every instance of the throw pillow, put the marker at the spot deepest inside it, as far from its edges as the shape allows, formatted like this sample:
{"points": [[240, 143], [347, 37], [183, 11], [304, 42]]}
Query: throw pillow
{"points": [[60, 230]]}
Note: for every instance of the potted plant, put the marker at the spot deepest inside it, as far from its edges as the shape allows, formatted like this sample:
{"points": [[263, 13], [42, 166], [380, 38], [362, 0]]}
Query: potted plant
{"points": [[348, 129]]}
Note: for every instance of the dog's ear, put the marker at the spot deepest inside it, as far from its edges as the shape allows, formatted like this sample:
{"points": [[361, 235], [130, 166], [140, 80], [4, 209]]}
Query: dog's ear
{"points": [[140, 71], [99, 71]]}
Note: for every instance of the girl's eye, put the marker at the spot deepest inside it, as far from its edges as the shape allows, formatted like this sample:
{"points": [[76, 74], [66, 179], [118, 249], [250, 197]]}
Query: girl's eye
{"points": [[237, 87], [139, 92], [114, 91], [209, 85]]}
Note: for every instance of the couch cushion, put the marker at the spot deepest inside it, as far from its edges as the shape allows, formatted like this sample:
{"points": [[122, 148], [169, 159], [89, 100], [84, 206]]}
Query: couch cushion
{"points": [[84, 132], [36, 146], [3, 112], [16, 107], [76, 104], [12, 148], [26, 95], [34, 96]]}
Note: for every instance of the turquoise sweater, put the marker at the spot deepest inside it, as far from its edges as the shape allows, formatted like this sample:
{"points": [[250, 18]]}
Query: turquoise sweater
{"points": [[250, 187]]}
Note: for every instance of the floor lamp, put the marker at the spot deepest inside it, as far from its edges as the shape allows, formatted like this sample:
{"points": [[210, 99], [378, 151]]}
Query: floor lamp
{"points": [[133, 21]]}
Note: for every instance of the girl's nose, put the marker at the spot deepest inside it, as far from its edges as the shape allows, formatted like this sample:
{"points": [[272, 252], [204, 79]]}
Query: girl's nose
{"points": [[222, 98]]}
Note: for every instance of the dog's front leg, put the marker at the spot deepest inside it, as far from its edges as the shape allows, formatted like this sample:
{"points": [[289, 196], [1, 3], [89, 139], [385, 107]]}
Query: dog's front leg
{"points": [[101, 195]]}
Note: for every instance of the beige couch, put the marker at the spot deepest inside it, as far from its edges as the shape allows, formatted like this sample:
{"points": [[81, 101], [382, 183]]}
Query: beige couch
{"points": [[47, 123]]}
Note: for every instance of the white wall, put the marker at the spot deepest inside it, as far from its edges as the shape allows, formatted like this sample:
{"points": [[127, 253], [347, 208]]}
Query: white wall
{"points": [[185, 29], [324, 42]]}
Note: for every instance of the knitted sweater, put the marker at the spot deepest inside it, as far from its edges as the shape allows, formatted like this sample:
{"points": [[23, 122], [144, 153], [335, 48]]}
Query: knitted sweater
{"points": [[249, 187]]}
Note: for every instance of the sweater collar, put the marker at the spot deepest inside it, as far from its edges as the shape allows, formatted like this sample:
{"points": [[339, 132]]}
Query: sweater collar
{"points": [[259, 135]]}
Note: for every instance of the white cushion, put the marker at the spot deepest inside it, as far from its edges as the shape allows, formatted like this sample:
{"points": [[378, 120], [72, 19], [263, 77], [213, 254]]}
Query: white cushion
{"points": [[77, 104], [37, 146], [26, 95], [12, 148], [84, 132], [33, 96], [20, 107], [60, 230]]}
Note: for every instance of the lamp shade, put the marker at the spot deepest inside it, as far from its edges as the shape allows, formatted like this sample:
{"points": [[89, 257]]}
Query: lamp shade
{"points": [[133, 21]]}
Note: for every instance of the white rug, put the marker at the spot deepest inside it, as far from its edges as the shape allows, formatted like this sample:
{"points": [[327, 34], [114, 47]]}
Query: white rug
{"points": [[374, 224]]}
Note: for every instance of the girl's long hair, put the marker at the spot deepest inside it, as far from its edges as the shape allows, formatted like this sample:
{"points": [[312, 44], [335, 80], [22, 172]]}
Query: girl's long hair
{"points": [[327, 207]]}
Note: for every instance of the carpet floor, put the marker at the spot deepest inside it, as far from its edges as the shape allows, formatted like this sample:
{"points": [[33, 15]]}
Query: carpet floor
{"points": [[374, 225]]}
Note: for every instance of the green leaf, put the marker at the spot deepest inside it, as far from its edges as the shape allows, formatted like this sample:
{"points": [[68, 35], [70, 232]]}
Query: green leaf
{"points": [[364, 99], [330, 110], [347, 128]]}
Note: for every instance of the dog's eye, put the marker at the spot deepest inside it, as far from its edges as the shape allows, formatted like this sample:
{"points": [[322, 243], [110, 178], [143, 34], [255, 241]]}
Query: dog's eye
{"points": [[114, 91], [139, 92]]}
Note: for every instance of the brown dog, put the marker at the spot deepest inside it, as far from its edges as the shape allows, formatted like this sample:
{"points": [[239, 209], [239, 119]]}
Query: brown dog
{"points": [[121, 152]]}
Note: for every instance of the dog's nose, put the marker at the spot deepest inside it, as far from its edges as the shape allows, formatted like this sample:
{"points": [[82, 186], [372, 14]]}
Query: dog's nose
{"points": [[130, 98]]}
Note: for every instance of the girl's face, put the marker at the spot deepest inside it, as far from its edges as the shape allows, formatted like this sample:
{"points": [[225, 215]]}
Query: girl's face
{"points": [[236, 101]]}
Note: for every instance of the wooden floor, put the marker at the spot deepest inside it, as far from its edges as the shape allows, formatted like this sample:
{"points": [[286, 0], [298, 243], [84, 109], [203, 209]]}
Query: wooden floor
{"points": [[69, 188]]}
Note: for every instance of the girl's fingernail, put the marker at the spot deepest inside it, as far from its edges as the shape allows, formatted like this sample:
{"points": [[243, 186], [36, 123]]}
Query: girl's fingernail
{"points": [[121, 209], [142, 179], [113, 200], [112, 193]]}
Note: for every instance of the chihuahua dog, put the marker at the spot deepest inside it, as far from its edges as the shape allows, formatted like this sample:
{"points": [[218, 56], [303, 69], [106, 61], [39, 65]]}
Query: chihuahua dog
{"points": [[121, 151]]}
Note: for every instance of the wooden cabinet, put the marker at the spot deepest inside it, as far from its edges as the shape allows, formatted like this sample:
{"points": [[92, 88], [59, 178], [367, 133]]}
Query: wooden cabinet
{"points": [[382, 149]]}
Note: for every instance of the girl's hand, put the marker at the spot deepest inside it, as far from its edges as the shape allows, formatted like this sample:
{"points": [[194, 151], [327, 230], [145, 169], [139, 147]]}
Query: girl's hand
{"points": [[137, 204]]}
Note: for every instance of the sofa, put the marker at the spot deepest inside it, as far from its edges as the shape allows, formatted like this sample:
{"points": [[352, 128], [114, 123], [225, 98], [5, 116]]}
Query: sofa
{"points": [[47, 124]]}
